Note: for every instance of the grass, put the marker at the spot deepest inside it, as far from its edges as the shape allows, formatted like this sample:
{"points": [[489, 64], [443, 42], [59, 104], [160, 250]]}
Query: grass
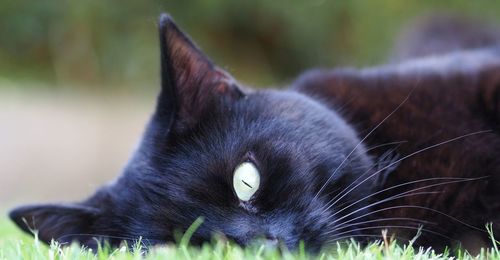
{"points": [[15, 245]]}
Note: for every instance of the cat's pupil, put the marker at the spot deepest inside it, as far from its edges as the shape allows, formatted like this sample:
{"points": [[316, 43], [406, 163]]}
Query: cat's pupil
{"points": [[246, 184]]}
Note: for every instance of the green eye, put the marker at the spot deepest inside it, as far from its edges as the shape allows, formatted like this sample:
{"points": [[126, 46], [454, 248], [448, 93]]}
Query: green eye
{"points": [[246, 181]]}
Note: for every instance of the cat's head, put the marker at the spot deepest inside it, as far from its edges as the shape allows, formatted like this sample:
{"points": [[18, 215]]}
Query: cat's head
{"points": [[253, 163]]}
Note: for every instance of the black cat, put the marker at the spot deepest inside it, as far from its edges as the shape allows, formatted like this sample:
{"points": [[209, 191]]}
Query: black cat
{"points": [[341, 154]]}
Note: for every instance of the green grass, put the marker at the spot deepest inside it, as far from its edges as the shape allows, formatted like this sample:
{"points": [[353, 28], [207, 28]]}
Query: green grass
{"points": [[16, 245]]}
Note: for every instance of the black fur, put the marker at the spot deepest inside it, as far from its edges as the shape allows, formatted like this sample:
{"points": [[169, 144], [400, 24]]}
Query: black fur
{"points": [[206, 124]]}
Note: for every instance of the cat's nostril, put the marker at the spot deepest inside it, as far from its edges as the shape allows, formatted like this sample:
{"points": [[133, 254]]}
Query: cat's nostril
{"points": [[271, 240]]}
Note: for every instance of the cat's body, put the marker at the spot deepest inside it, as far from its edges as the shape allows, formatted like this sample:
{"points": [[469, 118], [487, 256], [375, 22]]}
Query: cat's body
{"points": [[309, 150], [445, 103]]}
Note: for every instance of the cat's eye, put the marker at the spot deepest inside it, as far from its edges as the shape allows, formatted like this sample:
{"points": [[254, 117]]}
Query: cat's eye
{"points": [[246, 181]]}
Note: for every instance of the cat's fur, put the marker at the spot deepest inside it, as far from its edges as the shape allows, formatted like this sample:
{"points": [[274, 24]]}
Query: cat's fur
{"points": [[321, 179]]}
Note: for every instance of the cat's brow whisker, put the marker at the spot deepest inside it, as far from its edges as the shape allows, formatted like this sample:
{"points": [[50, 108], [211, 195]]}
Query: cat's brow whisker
{"points": [[381, 220], [344, 192], [361, 142]]}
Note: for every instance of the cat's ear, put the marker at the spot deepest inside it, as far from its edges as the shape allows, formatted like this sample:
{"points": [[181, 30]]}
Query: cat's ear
{"points": [[62, 223], [191, 83]]}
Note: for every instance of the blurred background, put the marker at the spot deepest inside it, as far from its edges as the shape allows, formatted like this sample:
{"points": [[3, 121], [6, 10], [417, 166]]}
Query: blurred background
{"points": [[78, 79]]}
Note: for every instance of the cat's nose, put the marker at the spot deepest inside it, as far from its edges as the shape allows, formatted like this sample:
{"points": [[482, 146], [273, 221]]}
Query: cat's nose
{"points": [[267, 240], [271, 240]]}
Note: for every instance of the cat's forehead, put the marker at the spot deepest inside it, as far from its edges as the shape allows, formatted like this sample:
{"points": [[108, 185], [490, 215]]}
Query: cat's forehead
{"points": [[281, 104]]}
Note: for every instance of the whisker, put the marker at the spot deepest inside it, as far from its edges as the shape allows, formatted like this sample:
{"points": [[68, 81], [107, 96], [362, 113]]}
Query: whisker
{"points": [[452, 180], [383, 145], [399, 160], [381, 220], [405, 184], [398, 196], [337, 239], [361, 142], [397, 226], [423, 208], [366, 215], [357, 235], [374, 164]]}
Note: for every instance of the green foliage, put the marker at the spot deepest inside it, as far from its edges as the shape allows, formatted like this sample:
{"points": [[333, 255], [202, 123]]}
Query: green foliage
{"points": [[114, 43], [13, 245]]}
